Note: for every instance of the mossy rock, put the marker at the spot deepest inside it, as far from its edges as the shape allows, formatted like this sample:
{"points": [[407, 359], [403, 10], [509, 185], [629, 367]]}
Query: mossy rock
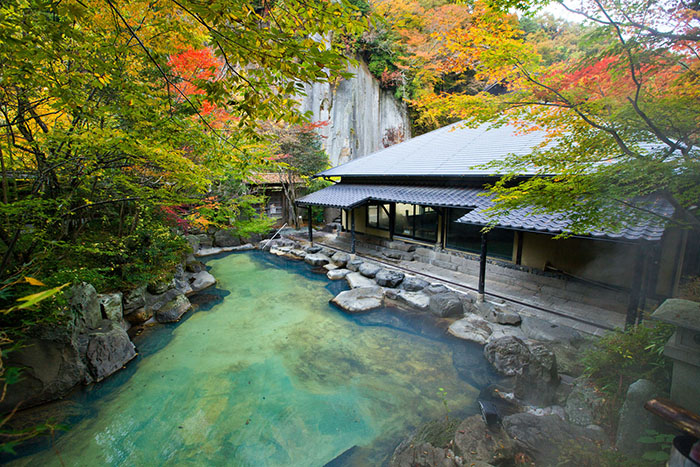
{"points": [[437, 432]]}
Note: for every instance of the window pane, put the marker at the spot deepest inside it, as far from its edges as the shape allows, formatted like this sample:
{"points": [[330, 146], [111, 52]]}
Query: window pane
{"points": [[372, 217], [467, 237], [404, 220], [426, 223], [384, 217]]}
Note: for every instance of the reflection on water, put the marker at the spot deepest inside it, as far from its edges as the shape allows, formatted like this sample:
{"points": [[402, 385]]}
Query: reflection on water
{"points": [[267, 373]]}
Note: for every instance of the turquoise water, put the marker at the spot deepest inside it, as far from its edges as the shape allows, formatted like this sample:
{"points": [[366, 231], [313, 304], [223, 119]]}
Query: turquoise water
{"points": [[268, 373]]}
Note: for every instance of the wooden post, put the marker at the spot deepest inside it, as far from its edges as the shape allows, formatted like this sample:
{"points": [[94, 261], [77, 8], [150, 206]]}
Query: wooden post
{"points": [[635, 288], [392, 220], [482, 268], [311, 228], [352, 231], [519, 251]]}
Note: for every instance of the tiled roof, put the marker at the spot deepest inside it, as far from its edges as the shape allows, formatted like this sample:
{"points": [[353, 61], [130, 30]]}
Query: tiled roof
{"points": [[453, 150], [271, 178], [345, 195], [523, 219]]}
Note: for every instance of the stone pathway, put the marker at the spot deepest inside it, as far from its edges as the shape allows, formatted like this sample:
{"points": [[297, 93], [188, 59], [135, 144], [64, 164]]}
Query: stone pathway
{"points": [[526, 301]]}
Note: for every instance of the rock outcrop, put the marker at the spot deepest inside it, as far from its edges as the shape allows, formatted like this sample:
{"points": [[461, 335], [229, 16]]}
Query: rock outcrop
{"points": [[108, 350], [413, 284], [475, 442], [170, 311], [445, 304], [225, 238], [532, 363], [355, 280], [362, 118], [388, 278], [369, 270], [634, 419], [359, 300], [543, 437], [317, 259]]}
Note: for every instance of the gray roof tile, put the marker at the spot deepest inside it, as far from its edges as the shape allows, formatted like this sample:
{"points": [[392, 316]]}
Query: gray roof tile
{"points": [[523, 219], [345, 195], [453, 150]]}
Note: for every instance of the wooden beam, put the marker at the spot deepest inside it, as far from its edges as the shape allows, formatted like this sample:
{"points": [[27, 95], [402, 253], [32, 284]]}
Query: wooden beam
{"points": [[311, 228], [482, 267], [392, 220], [678, 416], [352, 231], [519, 251]]}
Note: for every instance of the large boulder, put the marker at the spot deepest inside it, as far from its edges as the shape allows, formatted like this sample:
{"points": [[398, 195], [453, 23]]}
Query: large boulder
{"points": [[509, 355], [313, 249], [108, 350], [337, 274], [51, 366], [168, 307], [355, 280], [413, 284], [634, 419], [387, 278], [446, 304], [328, 251], [583, 403], [297, 253], [533, 364], [359, 300], [192, 264], [425, 455], [111, 306], [543, 437], [369, 270], [193, 241], [85, 305], [415, 300], [201, 280], [140, 315], [159, 286], [475, 442], [340, 259], [226, 237], [134, 299], [539, 380], [205, 240], [506, 316], [430, 445], [173, 310], [354, 264], [317, 259], [471, 328]]}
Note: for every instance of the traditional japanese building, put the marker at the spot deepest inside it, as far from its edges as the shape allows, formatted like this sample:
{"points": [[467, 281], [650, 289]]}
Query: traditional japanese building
{"points": [[428, 191]]}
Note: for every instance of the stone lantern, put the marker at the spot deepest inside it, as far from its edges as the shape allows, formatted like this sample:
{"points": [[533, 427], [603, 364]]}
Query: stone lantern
{"points": [[684, 349]]}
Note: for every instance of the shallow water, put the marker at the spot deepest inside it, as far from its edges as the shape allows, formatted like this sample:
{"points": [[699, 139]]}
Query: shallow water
{"points": [[269, 374]]}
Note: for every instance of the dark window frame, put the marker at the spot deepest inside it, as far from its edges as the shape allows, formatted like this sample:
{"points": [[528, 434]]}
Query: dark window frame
{"points": [[413, 236], [476, 248], [387, 210]]}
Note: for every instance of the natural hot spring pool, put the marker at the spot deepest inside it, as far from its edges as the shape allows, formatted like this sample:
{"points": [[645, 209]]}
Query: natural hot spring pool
{"points": [[270, 374]]}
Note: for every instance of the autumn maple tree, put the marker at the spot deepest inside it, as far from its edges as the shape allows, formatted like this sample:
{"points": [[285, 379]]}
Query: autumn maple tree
{"points": [[621, 113], [111, 111]]}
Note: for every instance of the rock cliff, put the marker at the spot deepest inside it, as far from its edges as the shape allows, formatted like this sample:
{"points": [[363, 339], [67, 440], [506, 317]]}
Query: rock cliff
{"points": [[362, 117]]}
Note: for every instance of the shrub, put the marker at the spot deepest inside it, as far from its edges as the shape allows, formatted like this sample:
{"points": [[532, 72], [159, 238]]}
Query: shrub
{"points": [[621, 358]]}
